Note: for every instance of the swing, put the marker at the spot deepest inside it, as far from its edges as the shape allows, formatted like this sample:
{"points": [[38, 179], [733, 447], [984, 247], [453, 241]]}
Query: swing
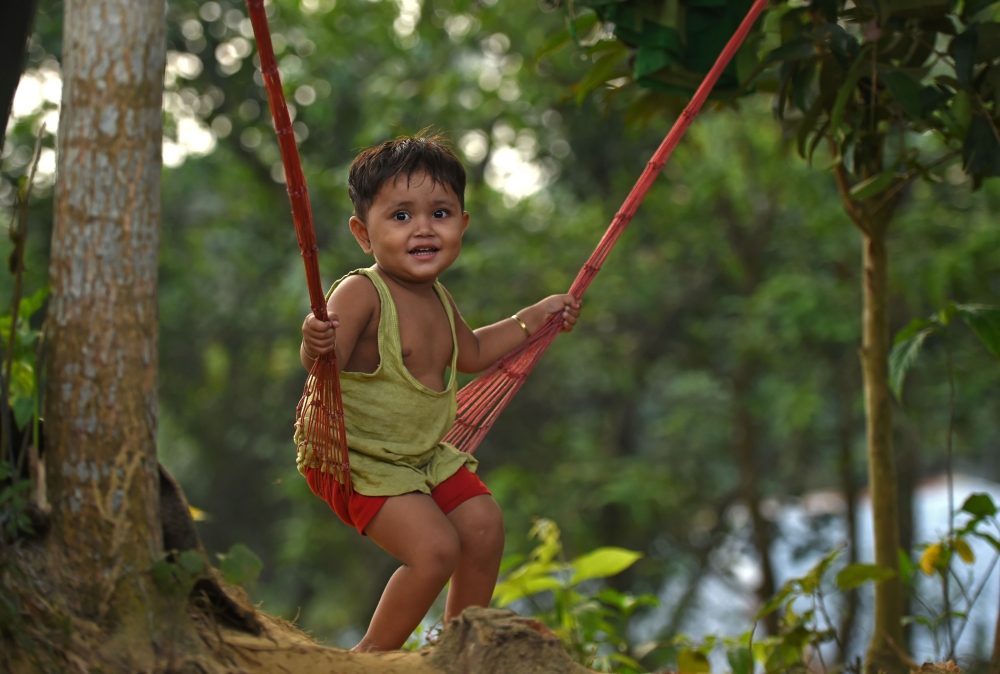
{"points": [[481, 401]]}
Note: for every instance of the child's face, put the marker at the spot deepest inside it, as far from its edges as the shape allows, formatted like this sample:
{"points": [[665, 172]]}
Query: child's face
{"points": [[414, 228]]}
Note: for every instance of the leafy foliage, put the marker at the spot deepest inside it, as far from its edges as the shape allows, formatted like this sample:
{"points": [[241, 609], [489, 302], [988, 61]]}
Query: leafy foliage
{"points": [[240, 566], [984, 321], [939, 560], [592, 622]]}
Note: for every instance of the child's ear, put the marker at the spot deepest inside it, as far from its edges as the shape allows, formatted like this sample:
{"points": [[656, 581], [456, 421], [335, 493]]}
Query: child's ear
{"points": [[360, 231], [465, 221]]}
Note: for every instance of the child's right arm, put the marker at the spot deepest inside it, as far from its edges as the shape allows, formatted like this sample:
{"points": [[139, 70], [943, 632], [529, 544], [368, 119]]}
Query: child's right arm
{"points": [[350, 308]]}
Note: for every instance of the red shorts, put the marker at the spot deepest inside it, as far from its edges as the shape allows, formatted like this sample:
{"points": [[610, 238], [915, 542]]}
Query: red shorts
{"points": [[359, 511]]}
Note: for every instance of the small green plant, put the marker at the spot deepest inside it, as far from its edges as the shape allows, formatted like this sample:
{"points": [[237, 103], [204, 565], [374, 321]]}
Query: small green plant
{"points": [[176, 574], [805, 625], [947, 622], [592, 621], [240, 566]]}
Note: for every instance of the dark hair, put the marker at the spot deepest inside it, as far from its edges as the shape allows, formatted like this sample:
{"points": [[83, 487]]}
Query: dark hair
{"points": [[405, 155]]}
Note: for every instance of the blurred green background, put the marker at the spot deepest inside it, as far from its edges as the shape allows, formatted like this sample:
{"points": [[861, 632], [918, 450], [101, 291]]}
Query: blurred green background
{"points": [[730, 308]]}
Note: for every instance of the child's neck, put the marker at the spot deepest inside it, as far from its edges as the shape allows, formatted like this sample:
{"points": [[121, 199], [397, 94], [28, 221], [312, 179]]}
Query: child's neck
{"points": [[418, 287]]}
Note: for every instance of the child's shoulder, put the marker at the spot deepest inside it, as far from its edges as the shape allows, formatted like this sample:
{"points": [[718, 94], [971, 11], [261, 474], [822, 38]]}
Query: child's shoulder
{"points": [[356, 289]]}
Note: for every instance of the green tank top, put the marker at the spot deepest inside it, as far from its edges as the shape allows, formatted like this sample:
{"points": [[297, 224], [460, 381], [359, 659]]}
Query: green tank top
{"points": [[394, 423]]}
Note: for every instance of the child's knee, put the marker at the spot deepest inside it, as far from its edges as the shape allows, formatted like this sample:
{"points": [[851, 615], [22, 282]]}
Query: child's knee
{"points": [[439, 556], [485, 537]]}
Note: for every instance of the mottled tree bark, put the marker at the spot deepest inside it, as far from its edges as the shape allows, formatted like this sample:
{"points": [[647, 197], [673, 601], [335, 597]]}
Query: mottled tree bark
{"points": [[100, 406], [888, 631], [872, 217]]}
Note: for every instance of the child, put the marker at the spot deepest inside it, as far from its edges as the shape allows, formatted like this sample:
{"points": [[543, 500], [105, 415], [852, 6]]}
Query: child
{"points": [[398, 333]]}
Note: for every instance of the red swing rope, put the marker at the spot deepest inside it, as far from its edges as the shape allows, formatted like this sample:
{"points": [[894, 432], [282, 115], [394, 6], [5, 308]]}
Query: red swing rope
{"points": [[320, 413], [482, 400]]}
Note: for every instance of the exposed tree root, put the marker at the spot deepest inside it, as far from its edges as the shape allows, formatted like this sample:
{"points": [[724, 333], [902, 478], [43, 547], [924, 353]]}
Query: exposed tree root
{"points": [[217, 631]]}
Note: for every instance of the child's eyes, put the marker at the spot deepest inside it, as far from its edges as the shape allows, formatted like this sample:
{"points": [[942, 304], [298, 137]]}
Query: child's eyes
{"points": [[401, 216], [440, 213]]}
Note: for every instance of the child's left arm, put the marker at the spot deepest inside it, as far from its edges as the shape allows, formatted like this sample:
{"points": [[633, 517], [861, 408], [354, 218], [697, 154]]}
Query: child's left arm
{"points": [[480, 348]]}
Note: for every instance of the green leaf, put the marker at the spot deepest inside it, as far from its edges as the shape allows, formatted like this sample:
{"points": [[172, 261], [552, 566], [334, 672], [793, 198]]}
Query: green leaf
{"points": [[553, 44], [856, 575], [774, 602], [581, 25], [875, 185], [808, 122], [691, 661], [992, 540], [240, 566], [906, 567], [738, 656], [192, 561], [846, 90], [963, 50], [919, 619], [980, 505], [29, 305], [904, 355], [509, 562], [981, 149], [961, 108], [510, 591], [985, 322], [795, 50], [602, 563], [24, 410], [906, 91], [811, 580]]}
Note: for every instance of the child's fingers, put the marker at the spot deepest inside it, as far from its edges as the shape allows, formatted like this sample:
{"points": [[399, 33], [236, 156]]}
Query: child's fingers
{"points": [[313, 325]]}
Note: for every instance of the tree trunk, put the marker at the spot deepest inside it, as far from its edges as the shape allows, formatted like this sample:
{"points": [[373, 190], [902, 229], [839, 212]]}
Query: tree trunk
{"points": [[845, 439], [995, 661], [888, 633], [100, 403], [745, 454], [16, 19]]}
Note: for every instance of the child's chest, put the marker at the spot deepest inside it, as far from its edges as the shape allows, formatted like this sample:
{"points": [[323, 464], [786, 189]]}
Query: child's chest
{"points": [[424, 334]]}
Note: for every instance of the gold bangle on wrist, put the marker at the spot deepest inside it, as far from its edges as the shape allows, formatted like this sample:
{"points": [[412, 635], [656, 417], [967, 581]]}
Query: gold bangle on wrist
{"points": [[306, 351], [521, 323]]}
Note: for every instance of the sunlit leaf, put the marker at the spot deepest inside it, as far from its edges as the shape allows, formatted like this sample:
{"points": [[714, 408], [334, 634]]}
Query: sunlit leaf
{"points": [[691, 661], [963, 550], [774, 602], [510, 591], [856, 575], [197, 514], [602, 563], [811, 580]]}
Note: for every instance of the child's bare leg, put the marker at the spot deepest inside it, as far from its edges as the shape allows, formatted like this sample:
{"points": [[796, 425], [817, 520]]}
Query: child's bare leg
{"points": [[479, 524], [412, 529]]}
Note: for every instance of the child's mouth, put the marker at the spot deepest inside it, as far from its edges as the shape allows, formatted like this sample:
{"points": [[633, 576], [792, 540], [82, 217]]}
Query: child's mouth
{"points": [[424, 252]]}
